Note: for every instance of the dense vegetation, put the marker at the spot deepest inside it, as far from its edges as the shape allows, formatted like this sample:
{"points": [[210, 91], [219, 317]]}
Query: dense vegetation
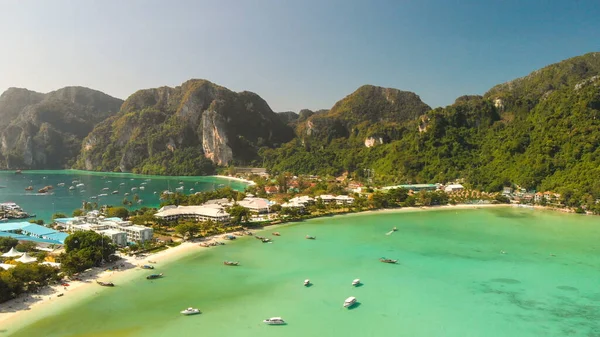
{"points": [[541, 132], [25, 278], [46, 130], [183, 131], [85, 249]]}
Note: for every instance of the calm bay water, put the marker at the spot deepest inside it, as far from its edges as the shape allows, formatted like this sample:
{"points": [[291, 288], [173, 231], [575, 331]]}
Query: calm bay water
{"points": [[452, 280], [61, 199]]}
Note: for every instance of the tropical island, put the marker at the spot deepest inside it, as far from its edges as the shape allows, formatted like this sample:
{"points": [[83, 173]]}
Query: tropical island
{"points": [[534, 141]]}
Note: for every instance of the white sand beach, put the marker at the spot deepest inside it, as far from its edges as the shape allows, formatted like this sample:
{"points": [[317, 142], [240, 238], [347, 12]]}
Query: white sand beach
{"points": [[19, 311], [249, 182]]}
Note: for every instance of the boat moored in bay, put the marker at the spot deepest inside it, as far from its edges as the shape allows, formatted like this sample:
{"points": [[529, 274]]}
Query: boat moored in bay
{"points": [[384, 260], [274, 321], [349, 302], [154, 276], [190, 311]]}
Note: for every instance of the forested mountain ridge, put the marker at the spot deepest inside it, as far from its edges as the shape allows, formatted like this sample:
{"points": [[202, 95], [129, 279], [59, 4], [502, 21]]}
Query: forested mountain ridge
{"points": [[541, 132], [45, 130], [186, 130]]}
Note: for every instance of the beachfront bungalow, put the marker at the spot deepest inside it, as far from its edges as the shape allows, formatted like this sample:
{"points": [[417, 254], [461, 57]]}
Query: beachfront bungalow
{"points": [[453, 188], [327, 198], [198, 213]]}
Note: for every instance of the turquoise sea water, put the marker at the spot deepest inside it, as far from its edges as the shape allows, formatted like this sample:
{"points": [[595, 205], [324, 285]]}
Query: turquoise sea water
{"points": [[61, 199], [451, 280]]}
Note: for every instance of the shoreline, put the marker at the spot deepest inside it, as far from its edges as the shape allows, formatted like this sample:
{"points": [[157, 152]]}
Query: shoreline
{"points": [[28, 306], [242, 180], [32, 307]]}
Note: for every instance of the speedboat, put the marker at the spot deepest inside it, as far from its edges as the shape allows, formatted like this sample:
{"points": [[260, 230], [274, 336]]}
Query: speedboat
{"points": [[350, 301], [126, 194], [310, 237], [306, 282], [154, 276], [274, 321], [394, 229], [133, 189], [105, 189], [147, 266], [80, 185], [71, 188], [231, 263], [356, 282], [190, 311], [384, 260], [60, 184], [115, 192], [265, 240]]}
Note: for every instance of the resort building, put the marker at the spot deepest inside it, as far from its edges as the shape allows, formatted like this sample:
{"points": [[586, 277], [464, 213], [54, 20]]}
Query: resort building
{"points": [[117, 237], [298, 202], [453, 188], [31, 232], [212, 212], [257, 205], [339, 199], [118, 227]]}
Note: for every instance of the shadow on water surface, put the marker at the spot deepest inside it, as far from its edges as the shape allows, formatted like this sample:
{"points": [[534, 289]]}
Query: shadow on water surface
{"points": [[354, 306]]}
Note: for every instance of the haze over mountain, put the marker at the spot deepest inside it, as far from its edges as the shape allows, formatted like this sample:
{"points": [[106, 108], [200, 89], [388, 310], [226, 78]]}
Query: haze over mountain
{"points": [[45, 130]]}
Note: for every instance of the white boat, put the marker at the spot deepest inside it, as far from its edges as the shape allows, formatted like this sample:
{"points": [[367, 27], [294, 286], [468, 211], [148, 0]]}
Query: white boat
{"points": [[105, 189], [180, 188], [356, 282], [71, 188], [80, 185], [126, 194], [142, 188], [274, 321], [94, 197], [133, 189], [121, 184], [102, 195], [306, 282], [60, 184], [350, 301], [115, 192], [190, 311]]}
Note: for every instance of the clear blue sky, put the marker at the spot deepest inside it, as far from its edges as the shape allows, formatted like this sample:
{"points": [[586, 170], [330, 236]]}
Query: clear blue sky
{"points": [[295, 54]]}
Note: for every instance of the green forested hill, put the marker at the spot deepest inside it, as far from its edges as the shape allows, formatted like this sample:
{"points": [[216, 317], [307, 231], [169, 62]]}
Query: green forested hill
{"points": [[186, 130], [541, 132], [45, 131]]}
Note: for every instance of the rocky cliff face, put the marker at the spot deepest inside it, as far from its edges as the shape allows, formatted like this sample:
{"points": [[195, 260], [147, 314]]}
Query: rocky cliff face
{"points": [[184, 130], [45, 130]]}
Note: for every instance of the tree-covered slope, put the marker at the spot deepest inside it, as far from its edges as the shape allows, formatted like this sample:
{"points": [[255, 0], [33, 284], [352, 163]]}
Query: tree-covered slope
{"points": [[540, 132], [185, 130], [45, 130]]}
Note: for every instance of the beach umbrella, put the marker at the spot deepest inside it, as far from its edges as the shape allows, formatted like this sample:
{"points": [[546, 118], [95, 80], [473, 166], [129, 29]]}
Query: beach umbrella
{"points": [[26, 259], [12, 253]]}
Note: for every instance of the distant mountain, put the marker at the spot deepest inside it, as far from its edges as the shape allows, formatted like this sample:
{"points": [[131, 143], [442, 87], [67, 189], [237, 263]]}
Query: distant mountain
{"points": [[185, 130], [361, 114], [45, 131], [288, 117]]}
